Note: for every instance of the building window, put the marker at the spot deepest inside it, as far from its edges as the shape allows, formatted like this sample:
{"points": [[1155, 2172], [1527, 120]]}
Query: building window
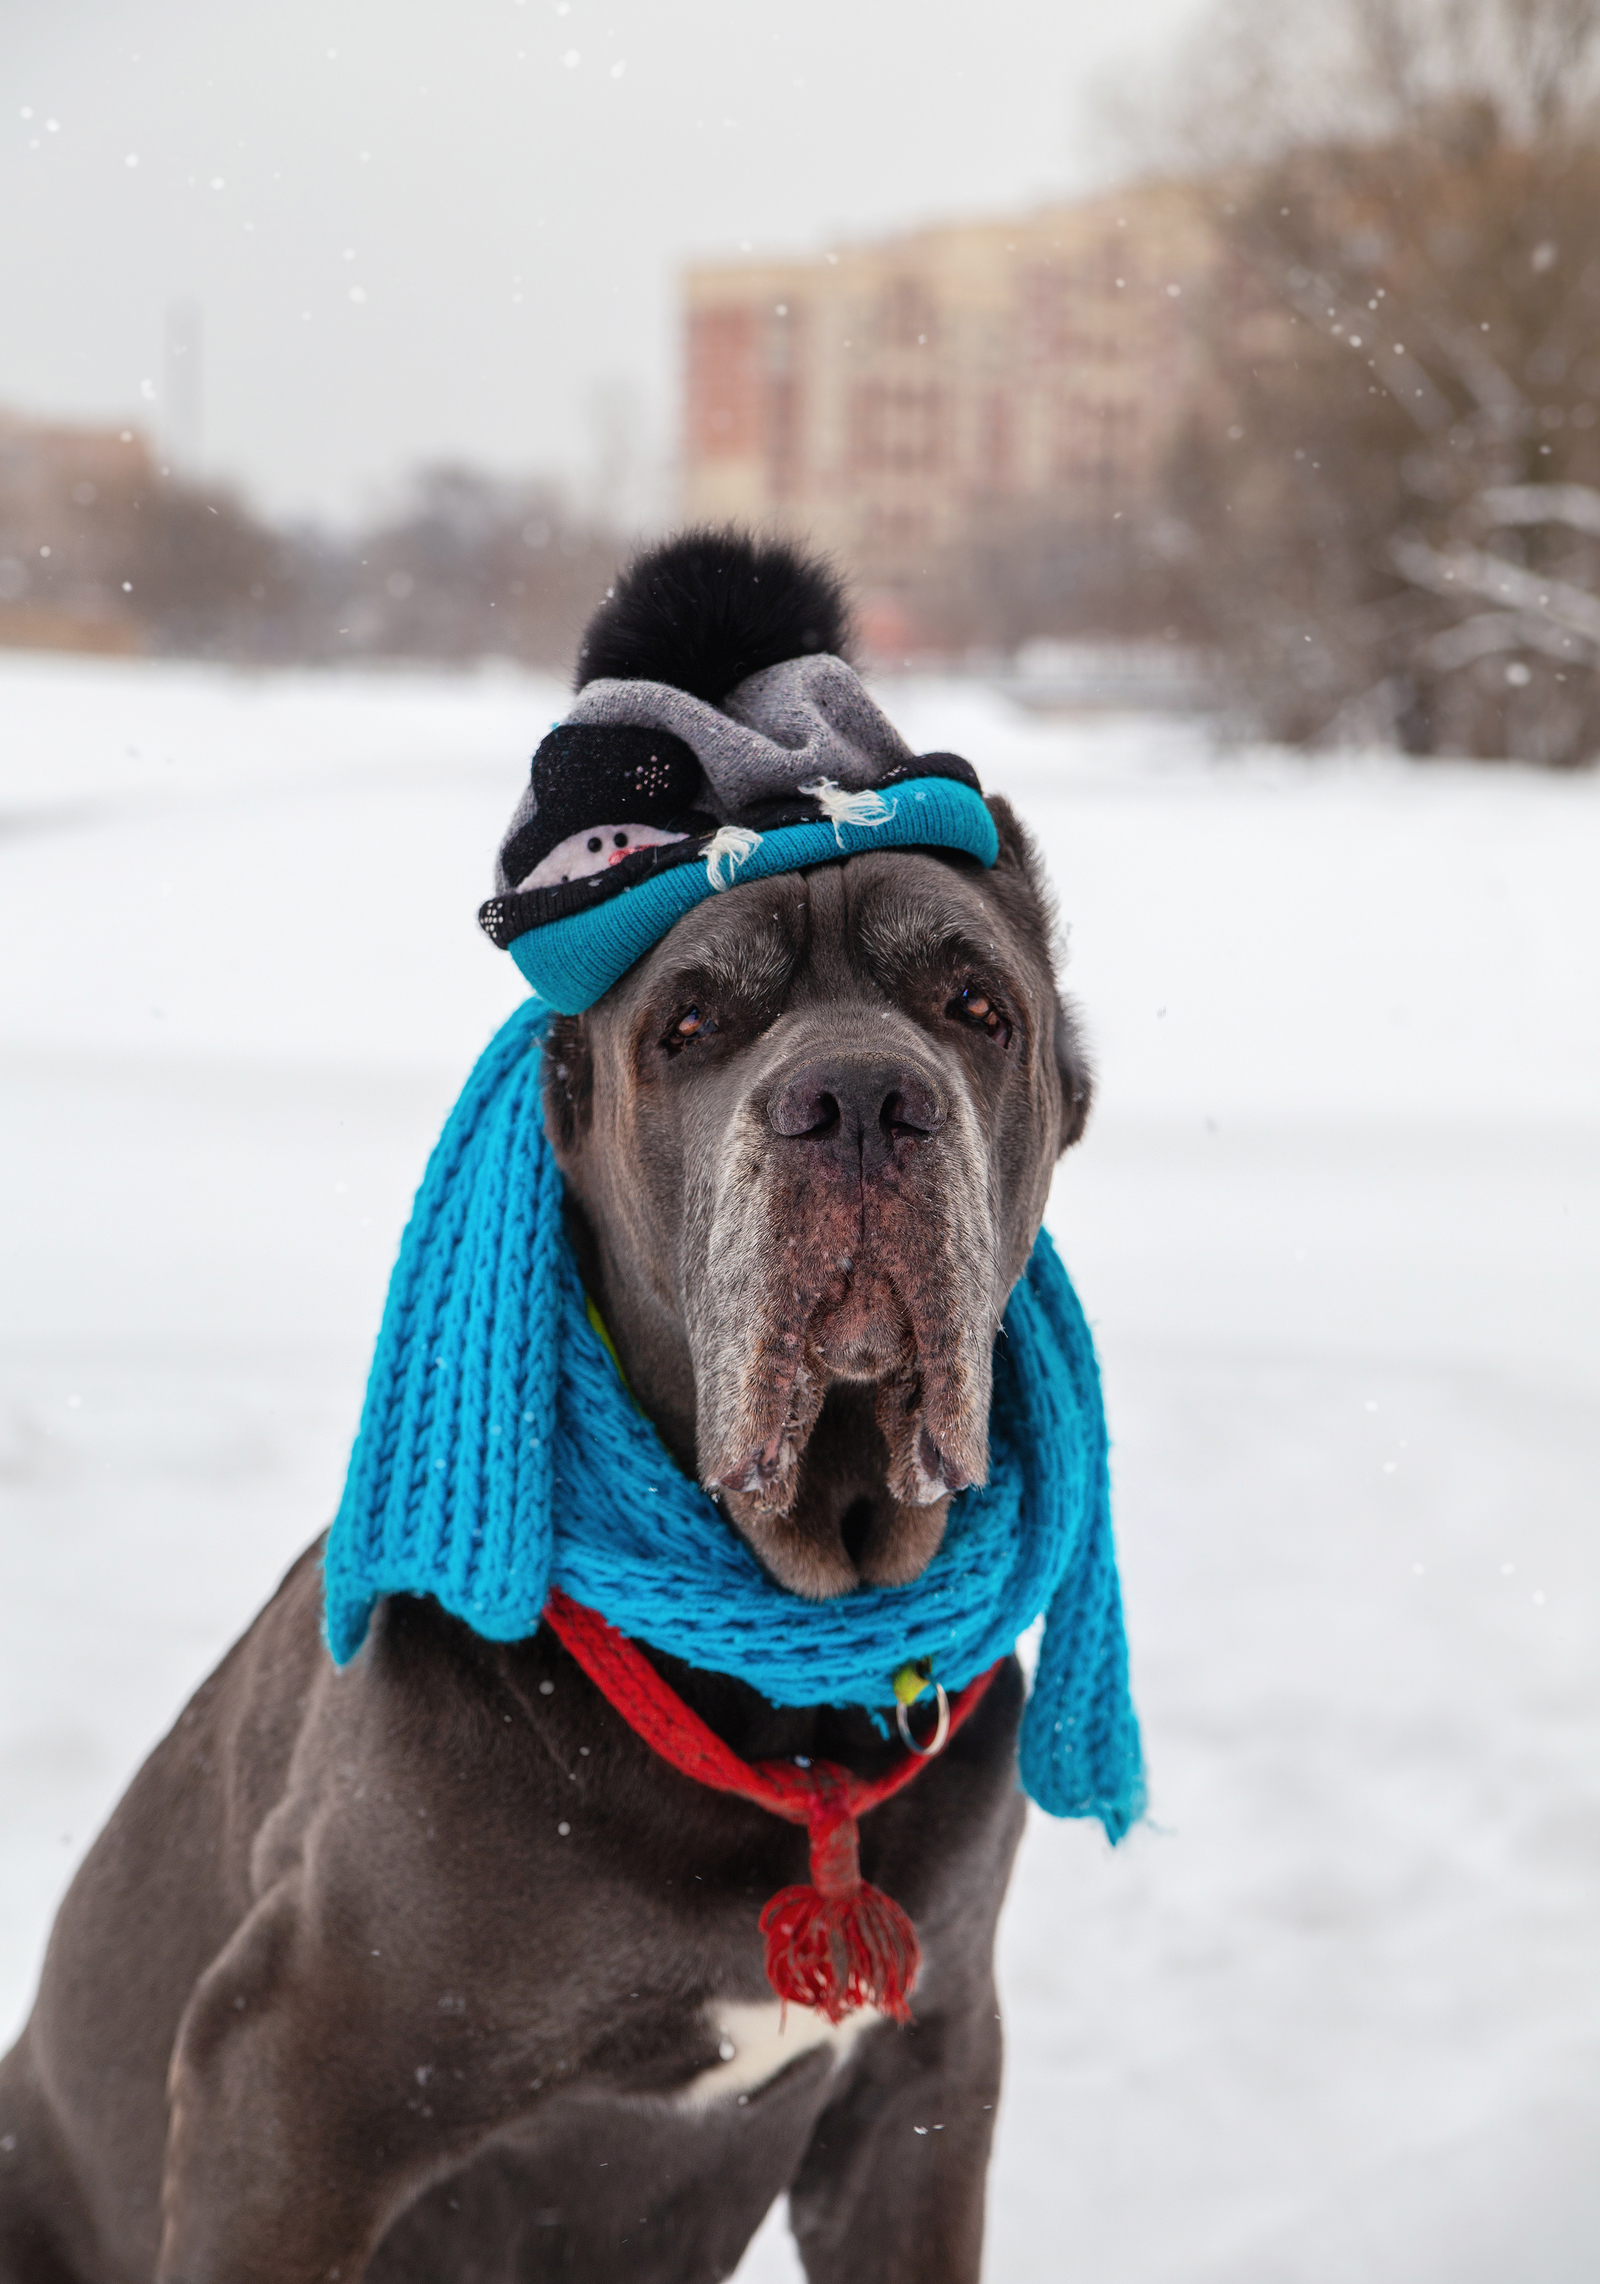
{"points": [[784, 405], [907, 316], [895, 427], [1047, 328], [724, 393], [997, 438]]}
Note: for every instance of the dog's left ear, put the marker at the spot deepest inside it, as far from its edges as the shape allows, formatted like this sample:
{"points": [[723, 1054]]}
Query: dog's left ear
{"points": [[1019, 875]]}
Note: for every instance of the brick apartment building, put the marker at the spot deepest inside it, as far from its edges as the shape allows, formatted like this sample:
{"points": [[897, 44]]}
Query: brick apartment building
{"points": [[892, 401]]}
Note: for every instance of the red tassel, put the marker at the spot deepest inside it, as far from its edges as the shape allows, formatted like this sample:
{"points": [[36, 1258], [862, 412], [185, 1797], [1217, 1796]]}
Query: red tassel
{"points": [[839, 1944]]}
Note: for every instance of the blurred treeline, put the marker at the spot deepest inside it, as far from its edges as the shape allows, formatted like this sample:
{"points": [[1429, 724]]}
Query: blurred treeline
{"points": [[101, 548]]}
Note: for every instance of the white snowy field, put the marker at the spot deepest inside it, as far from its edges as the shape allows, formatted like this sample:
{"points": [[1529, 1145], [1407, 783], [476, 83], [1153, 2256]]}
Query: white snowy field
{"points": [[1333, 2017]]}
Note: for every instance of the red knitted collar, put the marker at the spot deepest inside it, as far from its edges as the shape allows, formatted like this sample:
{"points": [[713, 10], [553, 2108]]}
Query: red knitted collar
{"points": [[838, 1944]]}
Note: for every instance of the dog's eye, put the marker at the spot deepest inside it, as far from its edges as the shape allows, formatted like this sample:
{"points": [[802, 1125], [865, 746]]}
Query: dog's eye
{"points": [[975, 1008], [692, 1023]]}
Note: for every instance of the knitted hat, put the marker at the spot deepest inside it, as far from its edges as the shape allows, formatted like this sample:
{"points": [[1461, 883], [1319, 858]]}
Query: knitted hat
{"points": [[717, 737]]}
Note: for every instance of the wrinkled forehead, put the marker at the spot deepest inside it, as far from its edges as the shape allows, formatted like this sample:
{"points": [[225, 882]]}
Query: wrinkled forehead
{"points": [[868, 920]]}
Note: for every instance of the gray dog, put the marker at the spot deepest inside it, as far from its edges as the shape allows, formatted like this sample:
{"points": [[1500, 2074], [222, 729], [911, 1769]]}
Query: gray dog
{"points": [[328, 1998]]}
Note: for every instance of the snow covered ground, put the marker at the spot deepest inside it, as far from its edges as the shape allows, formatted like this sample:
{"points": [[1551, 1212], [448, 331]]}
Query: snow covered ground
{"points": [[1334, 2016]]}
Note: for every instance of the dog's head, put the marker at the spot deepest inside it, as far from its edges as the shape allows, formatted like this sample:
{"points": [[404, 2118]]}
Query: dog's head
{"points": [[807, 1141]]}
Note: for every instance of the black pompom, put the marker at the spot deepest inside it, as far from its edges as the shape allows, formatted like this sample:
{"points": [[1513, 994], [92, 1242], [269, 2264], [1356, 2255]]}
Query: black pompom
{"points": [[705, 609]]}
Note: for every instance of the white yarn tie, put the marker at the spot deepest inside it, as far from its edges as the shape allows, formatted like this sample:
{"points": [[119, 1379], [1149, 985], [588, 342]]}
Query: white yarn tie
{"points": [[841, 808], [732, 845]]}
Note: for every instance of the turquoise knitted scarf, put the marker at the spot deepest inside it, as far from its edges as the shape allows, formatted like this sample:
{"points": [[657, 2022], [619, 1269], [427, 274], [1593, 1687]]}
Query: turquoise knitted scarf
{"points": [[499, 1454]]}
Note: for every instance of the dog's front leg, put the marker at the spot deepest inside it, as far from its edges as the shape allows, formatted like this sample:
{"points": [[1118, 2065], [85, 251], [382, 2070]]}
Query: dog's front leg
{"points": [[892, 2185], [296, 2132]]}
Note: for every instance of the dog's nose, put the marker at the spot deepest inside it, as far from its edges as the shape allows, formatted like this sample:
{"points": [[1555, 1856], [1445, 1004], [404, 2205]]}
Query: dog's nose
{"points": [[861, 1107]]}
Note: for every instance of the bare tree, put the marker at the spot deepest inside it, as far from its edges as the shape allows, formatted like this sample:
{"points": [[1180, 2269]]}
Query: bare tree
{"points": [[473, 565], [1391, 484]]}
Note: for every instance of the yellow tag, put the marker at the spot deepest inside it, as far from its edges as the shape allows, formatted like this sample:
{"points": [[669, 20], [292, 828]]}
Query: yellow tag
{"points": [[912, 1680], [599, 1324], [609, 1345]]}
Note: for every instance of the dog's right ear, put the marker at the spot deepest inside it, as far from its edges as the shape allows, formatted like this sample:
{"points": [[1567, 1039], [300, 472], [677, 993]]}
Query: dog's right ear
{"points": [[1076, 1073], [568, 1084], [1019, 877]]}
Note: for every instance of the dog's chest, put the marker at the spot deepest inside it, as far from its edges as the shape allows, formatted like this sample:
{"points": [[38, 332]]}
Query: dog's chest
{"points": [[757, 2040]]}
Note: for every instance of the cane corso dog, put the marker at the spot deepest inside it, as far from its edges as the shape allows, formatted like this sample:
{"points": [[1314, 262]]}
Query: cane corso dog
{"points": [[429, 1968]]}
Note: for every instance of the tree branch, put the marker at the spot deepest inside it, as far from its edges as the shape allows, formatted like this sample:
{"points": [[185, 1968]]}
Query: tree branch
{"points": [[1402, 373], [1463, 571], [1492, 631], [1491, 387], [1575, 504]]}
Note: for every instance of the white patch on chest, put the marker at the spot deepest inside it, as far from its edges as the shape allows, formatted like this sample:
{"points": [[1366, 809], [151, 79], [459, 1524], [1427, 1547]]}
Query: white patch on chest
{"points": [[755, 2048]]}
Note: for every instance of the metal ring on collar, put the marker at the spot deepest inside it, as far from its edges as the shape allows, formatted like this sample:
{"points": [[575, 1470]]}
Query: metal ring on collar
{"points": [[941, 1728]]}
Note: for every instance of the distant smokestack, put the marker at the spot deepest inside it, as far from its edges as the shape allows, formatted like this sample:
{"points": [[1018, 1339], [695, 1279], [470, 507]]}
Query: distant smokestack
{"points": [[184, 391]]}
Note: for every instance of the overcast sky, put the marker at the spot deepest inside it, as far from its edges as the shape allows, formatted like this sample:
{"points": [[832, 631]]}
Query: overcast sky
{"points": [[430, 228]]}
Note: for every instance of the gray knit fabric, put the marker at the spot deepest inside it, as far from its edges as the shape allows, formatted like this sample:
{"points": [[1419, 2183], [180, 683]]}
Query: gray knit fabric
{"points": [[787, 726], [778, 730]]}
